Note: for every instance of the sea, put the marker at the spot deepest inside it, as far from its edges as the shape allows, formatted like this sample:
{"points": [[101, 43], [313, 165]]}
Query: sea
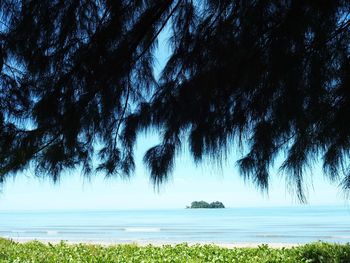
{"points": [[289, 225]]}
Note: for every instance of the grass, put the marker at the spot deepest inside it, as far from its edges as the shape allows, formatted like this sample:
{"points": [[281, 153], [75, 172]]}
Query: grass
{"points": [[35, 251]]}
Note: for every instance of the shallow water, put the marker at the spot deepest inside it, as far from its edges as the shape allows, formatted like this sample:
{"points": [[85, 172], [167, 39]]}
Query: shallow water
{"points": [[233, 225]]}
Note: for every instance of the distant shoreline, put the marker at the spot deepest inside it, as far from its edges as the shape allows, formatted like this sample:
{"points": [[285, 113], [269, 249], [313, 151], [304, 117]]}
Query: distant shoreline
{"points": [[161, 243]]}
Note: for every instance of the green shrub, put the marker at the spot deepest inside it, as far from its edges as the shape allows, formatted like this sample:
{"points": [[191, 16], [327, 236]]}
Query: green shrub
{"points": [[39, 252]]}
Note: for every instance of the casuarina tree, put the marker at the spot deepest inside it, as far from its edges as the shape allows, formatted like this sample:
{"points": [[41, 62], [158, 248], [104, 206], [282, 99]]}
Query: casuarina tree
{"points": [[77, 86]]}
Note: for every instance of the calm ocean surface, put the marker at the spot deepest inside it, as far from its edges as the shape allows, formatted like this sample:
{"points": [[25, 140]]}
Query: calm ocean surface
{"points": [[233, 225]]}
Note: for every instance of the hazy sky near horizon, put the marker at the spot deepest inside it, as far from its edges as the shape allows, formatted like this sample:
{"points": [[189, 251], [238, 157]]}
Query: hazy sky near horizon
{"points": [[188, 183]]}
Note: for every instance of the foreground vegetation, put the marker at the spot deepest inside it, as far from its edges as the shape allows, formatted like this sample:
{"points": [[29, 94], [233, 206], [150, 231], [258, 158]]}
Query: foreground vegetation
{"points": [[11, 251]]}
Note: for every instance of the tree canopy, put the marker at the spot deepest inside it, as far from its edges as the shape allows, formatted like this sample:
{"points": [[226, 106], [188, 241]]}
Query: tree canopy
{"points": [[77, 84], [203, 204]]}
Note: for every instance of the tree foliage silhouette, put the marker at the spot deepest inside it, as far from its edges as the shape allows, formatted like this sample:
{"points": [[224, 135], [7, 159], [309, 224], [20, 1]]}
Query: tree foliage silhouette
{"points": [[272, 77]]}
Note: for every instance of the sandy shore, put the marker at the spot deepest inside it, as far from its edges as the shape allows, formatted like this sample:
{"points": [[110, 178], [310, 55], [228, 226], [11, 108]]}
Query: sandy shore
{"points": [[110, 243]]}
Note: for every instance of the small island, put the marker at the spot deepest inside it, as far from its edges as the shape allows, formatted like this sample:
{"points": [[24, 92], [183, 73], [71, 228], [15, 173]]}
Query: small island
{"points": [[203, 204]]}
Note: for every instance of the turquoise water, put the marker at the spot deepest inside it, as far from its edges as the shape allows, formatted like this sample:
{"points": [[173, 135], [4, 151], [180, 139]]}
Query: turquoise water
{"points": [[235, 225]]}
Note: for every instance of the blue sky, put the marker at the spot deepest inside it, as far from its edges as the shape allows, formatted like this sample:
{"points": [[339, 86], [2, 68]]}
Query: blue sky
{"points": [[188, 183]]}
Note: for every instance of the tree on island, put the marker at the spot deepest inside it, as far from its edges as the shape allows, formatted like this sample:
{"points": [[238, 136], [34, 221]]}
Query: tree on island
{"points": [[203, 204], [77, 86], [199, 204], [216, 204]]}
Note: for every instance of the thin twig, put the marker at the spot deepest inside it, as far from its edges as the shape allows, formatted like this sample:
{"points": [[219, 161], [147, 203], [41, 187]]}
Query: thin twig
{"points": [[159, 31], [122, 115]]}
